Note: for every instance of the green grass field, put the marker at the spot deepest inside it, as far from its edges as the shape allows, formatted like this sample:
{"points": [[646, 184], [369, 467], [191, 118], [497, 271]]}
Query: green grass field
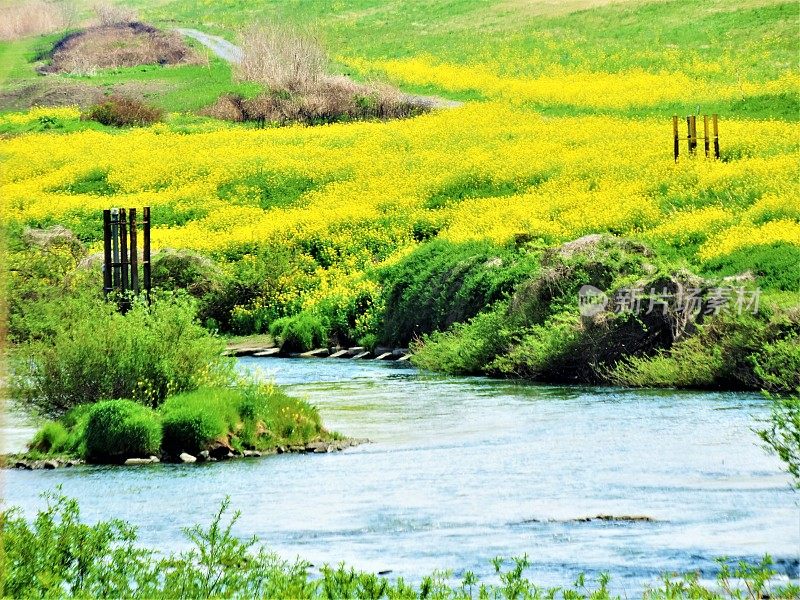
{"points": [[716, 42]]}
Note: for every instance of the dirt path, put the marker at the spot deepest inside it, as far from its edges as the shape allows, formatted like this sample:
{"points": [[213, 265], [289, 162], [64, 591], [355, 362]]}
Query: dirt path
{"points": [[219, 46], [233, 54]]}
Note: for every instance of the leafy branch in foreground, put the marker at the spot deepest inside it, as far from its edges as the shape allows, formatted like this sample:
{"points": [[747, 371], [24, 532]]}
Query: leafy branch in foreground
{"points": [[58, 556], [783, 434]]}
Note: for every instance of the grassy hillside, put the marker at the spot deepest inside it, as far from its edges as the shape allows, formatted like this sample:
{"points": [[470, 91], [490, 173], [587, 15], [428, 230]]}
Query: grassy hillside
{"points": [[329, 233], [689, 44]]}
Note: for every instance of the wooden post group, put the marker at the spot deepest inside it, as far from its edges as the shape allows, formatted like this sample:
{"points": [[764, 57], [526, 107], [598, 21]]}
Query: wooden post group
{"points": [[692, 137], [121, 253]]}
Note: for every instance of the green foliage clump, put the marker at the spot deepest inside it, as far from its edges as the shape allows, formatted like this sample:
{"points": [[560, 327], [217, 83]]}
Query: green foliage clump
{"points": [[537, 333], [466, 347], [252, 416], [59, 556], [782, 436], [777, 365], [120, 429], [442, 283], [183, 270], [52, 438], [275, 418], [300, 332], [194, 419], [774, 266], [146, 354], [253, 287], [726, 352]]}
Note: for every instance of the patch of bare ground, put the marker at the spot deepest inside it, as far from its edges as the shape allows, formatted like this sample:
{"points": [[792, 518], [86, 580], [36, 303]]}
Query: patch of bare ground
{"points": [[56, 92], [118, 45]]}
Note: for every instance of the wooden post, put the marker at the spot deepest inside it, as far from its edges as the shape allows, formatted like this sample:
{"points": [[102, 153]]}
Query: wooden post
{"points": [[706, 141], [146, 250], [134, 252], [716, 135], [123, 242], [115, 247], [691, 121], [675, 139], [107, 266]]}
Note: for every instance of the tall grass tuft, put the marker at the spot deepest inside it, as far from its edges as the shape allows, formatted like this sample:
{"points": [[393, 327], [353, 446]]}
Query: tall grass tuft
{"points": [[34, 17], [281, 57]]}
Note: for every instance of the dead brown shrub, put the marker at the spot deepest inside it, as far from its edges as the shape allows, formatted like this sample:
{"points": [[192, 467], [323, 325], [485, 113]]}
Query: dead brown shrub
{"points": [[281, 57], [335, 99], [113, 14], [119, 45], [227, 108], [119, 111], [291, 64], [34, 17]]}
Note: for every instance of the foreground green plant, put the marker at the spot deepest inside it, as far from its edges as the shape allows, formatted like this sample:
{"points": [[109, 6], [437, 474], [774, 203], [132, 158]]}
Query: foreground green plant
{"points": [[782, 436], [58, 556]]}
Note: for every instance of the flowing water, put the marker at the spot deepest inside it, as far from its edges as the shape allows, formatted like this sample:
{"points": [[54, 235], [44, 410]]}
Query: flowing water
{"points": [[465, 469]]}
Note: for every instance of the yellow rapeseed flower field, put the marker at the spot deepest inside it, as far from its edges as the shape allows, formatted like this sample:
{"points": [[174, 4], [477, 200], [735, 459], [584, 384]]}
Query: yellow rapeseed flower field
{"points": [[369, 188]]}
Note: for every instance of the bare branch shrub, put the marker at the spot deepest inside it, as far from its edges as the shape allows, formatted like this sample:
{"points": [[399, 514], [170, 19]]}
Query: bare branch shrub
{"points": [[281, 57], [112, 14]]}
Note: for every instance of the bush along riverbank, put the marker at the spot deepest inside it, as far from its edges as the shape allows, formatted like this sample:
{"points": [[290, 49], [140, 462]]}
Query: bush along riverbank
{"points": [[146, 386], [57, 555], [207, 424], [601, 309], [607, 310]]}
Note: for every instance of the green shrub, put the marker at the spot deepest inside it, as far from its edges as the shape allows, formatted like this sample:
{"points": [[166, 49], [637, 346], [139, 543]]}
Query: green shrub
{"points": [[252, 289], [442, 283], [75, 422], [192, 420], [466, 348], [184, 270], [687, 364], [120, 429], [255, 416], [778, 365], [540, 353], [146, 354], [727, 352], [782, 436], [300, 332], [118, 111], [190, 430], [287, 420], [52, 438]]}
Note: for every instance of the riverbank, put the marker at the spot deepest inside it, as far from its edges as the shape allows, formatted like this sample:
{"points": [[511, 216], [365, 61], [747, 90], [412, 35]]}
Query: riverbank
{"points": [[23, 461], [462, 469]]}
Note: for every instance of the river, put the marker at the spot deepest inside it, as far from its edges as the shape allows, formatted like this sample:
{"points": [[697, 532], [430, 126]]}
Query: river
{"points": [[465, 469]]}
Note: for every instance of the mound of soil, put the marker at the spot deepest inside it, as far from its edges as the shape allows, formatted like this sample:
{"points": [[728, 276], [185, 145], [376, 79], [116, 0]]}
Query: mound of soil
{"points": [[118, 45]]}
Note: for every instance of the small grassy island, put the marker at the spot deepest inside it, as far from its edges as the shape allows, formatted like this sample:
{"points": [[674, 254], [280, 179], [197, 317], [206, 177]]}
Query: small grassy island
{"points": [[207, 424], [147, 386]]}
